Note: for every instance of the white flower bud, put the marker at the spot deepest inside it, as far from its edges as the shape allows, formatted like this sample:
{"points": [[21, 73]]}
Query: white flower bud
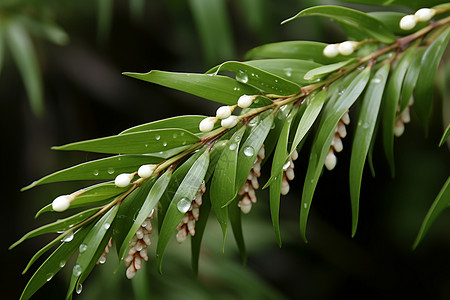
{"points": [[229, 122], [424, 14], [330, 160], [224, 112], [347, 47], [399, 128], [146, 171], [346, 118], [337, 143], [123, 180], [331, 50], [408, 22], [405, 116], [284, 187], [62, 203], [131, 272], [207, 124], [245, 101]]}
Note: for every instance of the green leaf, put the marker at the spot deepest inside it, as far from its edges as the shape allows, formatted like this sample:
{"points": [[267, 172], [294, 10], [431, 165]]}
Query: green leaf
{"points": [[301, 50], [367, 119], [274, 196], [128, 210], [391, 19], [249, 150], [54, 263], [411, 78], [46, 29], [423, 93], [445, 136], [60, 225], [234, 213], [146, 209], [359, 20], [293, 70], [89, 248], [180, 203], [214, 156], [266, 82], [135, 143], [441, 202], [213, 25], [391, 103], [413, 4], [221, 191], [105, 168], [322, 141], [274, 133], [325, 70], [314, 106], [22, 50], [200, 226], [221, 89], [189, 123]]}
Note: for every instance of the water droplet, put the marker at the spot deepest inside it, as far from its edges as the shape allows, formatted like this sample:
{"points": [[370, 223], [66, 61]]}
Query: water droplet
{"points": [[283, 107], [181, 133], [249, 151], [184, 143], [312, 181], [288, 72], [95, 172], [165, 144], [62, 264], [361, 68], [273, 126], [174, 135], [376, 80], [305, 205], [110, 171], [102, 260], [49, 276], [77, 269], [68, 237], [233, 147], [157, 137], [286, 165], [82, 248], [242, 77], [341, 92], [183, 205], [79, 288], [253, 122], [237, 138], [106, 226], [276, 80], [366, 125], [146, 145]]}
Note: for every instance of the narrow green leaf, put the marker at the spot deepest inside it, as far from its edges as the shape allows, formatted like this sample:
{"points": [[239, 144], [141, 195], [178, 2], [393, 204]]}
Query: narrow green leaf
{"points": [[146, 209], [445, 136], [367, 119], [249, 150], [423, 93], [200, 225], [274, 197], [441, 202], [221, 89], [45, 29], [188, 123], [54, 263], [214, 156], [411, 79], [266, 82], [105, 168], [301, 50], [89, 247], [274, 133], [327, 69], [322, 141], [293, 70], [390, 105], [22, 50], [135, 143], [59, 225], [221, 191], [314, 106], [359, 20], [234, 213], [180, 203]]}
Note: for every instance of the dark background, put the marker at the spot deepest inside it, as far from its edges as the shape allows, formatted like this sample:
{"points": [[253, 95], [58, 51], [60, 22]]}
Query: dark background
{"points": [[87, 97]]}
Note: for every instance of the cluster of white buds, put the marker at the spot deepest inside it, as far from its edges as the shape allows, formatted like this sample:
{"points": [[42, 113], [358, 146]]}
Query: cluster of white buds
{"points": [[344, 48], [336, 144], [422, 15], [223, 113], [187, 224], [288, 173], [138, 247], [102, 258], [252, 184], [402, 119]]}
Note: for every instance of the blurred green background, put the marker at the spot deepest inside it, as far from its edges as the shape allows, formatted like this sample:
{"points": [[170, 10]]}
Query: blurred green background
{"points": [[85, 96]]}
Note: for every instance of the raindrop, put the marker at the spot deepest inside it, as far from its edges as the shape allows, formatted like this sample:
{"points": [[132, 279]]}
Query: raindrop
{"points": [[184, 143], [253, 122], [181, 133], [341, 92], [237, 138], [110, 171], [157, 137], [146, 145], [183, 205], [174, 136], [286, 165], [312, 181], [165, 144], [233, 147], [102, 260], [82, 248], [360, 68], [79, 288], [68, 237], [305, 205], [106, 226], [77, 269], [276, 80], [62, 264], [359, 123], [376, 80], [49, 276], [288, 72], [366, 125], [249, 151], [242, 77], [95, 172]]}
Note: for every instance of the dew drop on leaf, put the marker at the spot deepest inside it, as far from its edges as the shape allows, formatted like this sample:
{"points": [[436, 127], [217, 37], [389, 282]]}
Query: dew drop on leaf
{"points": [[232, 147], [157, 137], [183, 205], [249, 151], [95, 172], [77, 269], [62, 264], [49, 276], [165, 144], [106, 226], [102, 260], [79, 288], [242, 77], [366, 125], [305, 205], [110, 171], [68, 237], [82, 248]]}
